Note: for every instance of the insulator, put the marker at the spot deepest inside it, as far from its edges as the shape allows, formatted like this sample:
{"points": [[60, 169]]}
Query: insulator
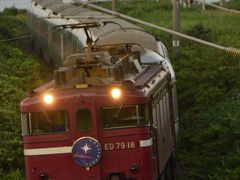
{"points": [[234, 51]]}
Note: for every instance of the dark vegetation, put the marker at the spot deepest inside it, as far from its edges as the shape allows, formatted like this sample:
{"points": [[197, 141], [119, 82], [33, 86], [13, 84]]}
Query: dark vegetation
{"points": [[19, 72], [208, 88]]}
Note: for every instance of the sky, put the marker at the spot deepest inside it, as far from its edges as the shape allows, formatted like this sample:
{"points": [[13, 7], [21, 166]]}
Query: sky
{"points": [[22, 4]]}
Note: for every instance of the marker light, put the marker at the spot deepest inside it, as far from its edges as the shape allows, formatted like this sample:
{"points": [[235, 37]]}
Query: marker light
{"points": [[116, 93], [48, 99]]}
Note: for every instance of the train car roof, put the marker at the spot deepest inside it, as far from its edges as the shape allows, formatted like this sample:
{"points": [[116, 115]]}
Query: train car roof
{"points": [[114, 30]]}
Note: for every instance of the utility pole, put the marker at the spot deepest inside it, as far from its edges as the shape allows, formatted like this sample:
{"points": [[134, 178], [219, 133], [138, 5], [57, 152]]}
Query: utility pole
{"points": [[115, 5], [221, 3], [176, 25], [203, 5], [62, 47]]}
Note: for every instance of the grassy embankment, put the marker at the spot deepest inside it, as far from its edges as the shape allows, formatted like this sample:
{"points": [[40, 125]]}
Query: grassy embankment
{"points": [[208, 83]]}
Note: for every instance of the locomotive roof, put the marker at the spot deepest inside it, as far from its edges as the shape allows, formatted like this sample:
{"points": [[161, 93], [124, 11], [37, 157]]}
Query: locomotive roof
{"points": [[146, 81], [114, 30]]}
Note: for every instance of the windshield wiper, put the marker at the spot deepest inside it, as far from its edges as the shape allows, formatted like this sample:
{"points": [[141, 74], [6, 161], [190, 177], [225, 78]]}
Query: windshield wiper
{"points": [[115, 117], [46, 116]]}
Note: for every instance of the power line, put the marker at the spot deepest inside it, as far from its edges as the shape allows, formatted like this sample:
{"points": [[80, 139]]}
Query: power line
{"points": [[25, 36], [16, 38]]}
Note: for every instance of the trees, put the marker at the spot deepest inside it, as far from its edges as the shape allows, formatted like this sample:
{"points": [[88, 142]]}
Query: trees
{"points": [[208, 89], [19, 73]]}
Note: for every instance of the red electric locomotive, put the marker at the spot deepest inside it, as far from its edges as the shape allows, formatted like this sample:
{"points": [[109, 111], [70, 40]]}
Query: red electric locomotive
{"points": [[110, 113]]}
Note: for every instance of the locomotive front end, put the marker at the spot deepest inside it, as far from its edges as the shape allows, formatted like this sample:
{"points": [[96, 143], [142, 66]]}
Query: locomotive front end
{"points": [[87, 134]]}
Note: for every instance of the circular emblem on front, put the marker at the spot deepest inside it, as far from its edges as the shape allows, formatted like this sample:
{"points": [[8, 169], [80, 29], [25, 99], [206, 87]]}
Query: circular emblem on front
{"points": [[86, 151]]}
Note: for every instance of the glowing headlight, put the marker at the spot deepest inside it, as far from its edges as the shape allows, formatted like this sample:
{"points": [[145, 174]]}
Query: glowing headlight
{"points": [[48, 98], [116, 93]]}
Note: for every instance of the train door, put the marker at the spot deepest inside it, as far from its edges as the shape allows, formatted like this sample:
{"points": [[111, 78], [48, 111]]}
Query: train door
{"points": [[86, 148], [163, 135]]}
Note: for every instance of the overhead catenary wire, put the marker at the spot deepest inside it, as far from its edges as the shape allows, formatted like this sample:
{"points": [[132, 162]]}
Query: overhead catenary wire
{"points": [[16, 38], [25, 36], [28, 35], [231, 50]]}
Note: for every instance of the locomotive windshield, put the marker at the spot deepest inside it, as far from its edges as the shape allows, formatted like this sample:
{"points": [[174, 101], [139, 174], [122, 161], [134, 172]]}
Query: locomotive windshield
{"points": [[124, 116], [44, 122]]}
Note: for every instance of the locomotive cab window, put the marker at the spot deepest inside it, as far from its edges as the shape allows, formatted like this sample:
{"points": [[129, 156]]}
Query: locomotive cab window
{"points": [[124, 116], [44, 122], [84, 120]]}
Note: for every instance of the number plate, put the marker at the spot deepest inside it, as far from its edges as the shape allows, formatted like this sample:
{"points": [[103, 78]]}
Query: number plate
{"points": [[119, 145]]}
